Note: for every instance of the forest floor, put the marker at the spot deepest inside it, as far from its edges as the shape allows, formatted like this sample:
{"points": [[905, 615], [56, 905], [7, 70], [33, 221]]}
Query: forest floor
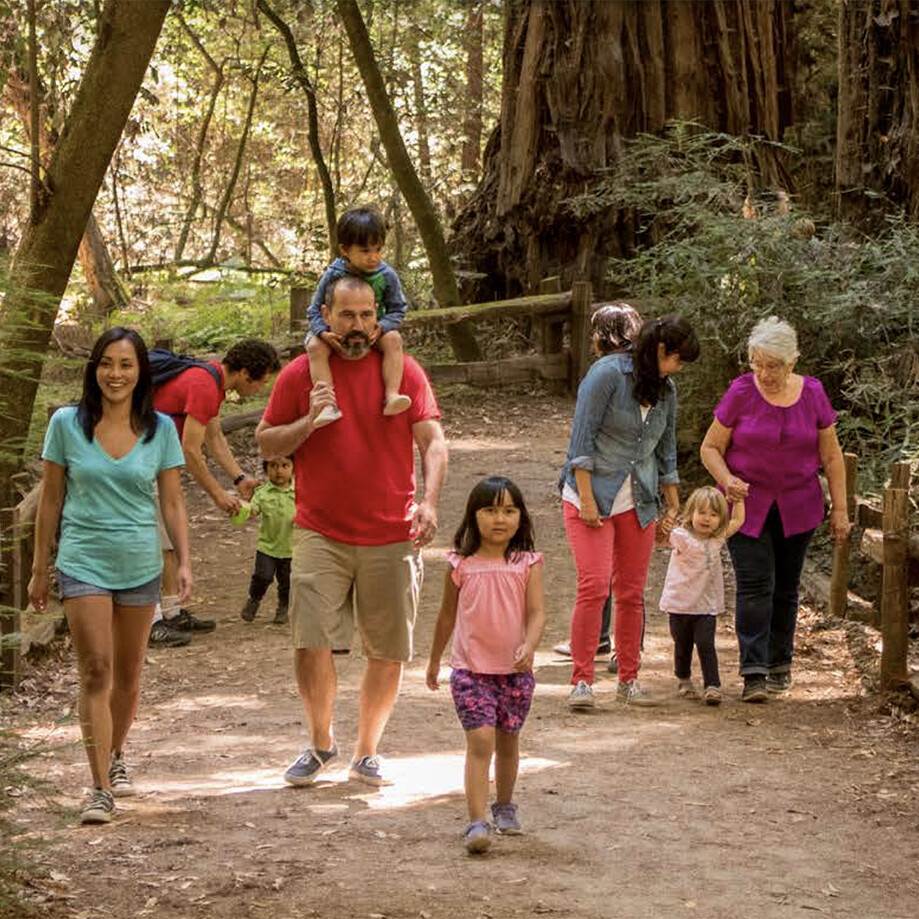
{"points": [[807, 805]]}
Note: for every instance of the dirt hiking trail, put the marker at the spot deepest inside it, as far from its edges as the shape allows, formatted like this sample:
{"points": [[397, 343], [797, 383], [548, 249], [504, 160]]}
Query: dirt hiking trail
{"points": [[805, 806]]}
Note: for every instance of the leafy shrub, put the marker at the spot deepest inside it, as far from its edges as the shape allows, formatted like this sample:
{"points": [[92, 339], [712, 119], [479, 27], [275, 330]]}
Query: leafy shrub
{"points": [[851, 299]]}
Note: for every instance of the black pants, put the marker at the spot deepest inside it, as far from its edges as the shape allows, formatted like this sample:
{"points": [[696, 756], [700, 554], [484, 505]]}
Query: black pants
{"points": [[694, 631], [768, 571], [267, 568]]}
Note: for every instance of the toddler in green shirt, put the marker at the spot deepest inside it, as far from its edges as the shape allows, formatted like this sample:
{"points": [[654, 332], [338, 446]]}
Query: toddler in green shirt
{"points": [[273, 502]]}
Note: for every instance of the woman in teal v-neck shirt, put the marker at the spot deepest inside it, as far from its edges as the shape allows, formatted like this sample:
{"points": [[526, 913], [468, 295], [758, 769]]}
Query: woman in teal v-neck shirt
{"points": [[103, 462]]}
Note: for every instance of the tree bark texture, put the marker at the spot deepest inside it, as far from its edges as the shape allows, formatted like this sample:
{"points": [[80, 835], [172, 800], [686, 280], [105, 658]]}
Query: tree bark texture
{"points": [[104, 285], [472, 103], [421, 109], [877, 133], [223, 205], [579, 78], [312, 109], [426, 219], [128, 32]]}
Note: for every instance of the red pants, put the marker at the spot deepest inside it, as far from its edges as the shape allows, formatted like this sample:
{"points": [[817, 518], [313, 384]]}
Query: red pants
{"points": [[617, 552]]}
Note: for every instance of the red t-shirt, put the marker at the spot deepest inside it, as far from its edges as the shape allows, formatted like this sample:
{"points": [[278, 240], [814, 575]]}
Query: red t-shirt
{"points": [[355, 478], [193, 392]]}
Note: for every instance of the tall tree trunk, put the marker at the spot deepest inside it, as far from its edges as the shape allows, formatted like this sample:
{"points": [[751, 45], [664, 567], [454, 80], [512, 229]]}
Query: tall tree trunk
{"points": [[43, 262], [473, 35], [421, 109], [197, 188], [579, 78], [312, 110], [224, 204], [426, 219], [107, 291], [877, 132], [30, 101]]}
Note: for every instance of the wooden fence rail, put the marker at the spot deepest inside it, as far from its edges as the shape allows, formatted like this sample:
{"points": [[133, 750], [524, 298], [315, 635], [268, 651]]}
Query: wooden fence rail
{"points": [[887, 541]]}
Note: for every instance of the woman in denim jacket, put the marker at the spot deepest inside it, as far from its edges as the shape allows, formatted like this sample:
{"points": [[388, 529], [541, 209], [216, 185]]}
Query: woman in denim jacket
{"points": [[622, 453]]}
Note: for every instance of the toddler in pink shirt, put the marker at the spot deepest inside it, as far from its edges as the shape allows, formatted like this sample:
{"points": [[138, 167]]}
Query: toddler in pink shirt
{"points": [[493, 606], [693, 592]]}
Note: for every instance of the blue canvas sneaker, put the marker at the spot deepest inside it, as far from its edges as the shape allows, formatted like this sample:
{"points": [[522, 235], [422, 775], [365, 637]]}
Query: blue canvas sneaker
{"points": [[307, 766]]}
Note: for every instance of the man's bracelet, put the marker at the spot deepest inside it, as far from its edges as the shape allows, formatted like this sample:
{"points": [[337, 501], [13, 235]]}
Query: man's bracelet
{"points": [[239, 478]]}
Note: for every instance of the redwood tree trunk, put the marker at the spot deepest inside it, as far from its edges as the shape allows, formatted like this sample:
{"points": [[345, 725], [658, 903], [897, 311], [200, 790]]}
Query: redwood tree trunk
{"points": [[127, 35], [579, 78], [107, 291], [877, 132]]}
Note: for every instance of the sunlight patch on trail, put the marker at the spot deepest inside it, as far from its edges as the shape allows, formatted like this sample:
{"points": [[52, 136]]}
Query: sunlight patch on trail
{"points": [[473, 444], [415, 779]]}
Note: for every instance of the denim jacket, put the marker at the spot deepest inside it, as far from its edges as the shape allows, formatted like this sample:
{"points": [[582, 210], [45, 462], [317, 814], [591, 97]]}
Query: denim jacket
{"points": [[610, 440]]}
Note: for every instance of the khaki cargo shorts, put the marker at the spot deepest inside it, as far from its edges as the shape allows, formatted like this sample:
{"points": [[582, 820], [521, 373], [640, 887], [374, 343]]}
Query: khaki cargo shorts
{"points": [[335, 587]]}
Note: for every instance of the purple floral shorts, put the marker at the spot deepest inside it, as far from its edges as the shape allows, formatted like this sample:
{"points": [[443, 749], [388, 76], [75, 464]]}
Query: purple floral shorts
{"points": [[497, 700]]}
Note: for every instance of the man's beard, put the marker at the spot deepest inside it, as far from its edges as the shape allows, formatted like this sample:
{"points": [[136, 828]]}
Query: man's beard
{"points": [[355, 344]]}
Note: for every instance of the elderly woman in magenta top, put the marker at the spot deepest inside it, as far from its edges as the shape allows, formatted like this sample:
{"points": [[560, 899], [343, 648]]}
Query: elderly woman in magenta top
{"points": [[622, 454], [772, 432]]}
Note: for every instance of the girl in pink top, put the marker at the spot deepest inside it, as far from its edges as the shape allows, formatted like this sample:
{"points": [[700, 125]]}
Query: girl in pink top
{"points": [[693, 592], [493, 598]]}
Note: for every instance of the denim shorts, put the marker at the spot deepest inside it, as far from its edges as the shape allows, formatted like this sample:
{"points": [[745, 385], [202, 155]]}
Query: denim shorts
{"points": [[142, 595]]}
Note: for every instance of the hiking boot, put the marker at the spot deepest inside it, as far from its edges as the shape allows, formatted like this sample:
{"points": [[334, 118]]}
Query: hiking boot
{"points": [[369, 770], [119, 777], [631, 693], [754, 689], [712, 695], [99, 807], [280, 615], [249, 610], [778, 682], [185, 622], [163, 636], [505, 818], [477, 836], [307, 766], [582, 696]]}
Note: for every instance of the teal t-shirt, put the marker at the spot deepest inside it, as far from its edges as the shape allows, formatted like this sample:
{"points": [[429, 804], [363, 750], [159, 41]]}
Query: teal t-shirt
{"points": [[109, 535]]}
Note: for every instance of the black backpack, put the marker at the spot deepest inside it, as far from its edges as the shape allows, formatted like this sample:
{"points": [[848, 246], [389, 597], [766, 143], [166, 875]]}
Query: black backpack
{"points": [[164, 366]]}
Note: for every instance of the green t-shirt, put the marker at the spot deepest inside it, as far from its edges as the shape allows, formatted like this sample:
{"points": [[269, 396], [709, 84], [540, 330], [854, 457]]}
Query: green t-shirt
{"points": [[275, 506], [109, 534]]}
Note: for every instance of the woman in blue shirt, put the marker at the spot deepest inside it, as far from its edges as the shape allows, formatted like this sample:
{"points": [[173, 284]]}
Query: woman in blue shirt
{"points": [[104, 460], [621, 455]]}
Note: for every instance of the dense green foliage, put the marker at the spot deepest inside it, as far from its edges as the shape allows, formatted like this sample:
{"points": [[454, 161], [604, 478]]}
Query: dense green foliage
{"points": [[852, 299]]}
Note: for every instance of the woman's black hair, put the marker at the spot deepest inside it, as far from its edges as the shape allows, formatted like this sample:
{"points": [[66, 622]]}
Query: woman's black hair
{"points": [[487, 493], [677, 336], [89, 410]]}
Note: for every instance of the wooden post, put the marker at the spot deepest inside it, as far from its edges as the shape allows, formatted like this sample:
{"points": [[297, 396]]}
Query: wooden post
{"points": [[899, 475], [839, 579], [894, 589], [551, 331], [9, 613], [581, 302], [164, 343], [299, 303]]}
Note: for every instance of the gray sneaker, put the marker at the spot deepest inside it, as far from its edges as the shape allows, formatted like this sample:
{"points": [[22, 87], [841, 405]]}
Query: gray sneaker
{"points": [[582, 696], [631, 693], [505, 819], [477, 836], [307, 766], [99, 807], [119, 778], [369, 770]]}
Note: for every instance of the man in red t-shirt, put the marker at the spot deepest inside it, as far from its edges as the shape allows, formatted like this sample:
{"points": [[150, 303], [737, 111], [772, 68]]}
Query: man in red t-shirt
{"points": [[193, 400], [357, 529]]}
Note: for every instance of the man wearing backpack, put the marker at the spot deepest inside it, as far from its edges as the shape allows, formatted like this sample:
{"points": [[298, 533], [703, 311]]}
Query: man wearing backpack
{"points": [[191, 392]]}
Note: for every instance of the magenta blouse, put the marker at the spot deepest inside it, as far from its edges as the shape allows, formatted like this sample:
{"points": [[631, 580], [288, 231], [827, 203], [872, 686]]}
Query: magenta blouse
{"points": [[775, 450]]}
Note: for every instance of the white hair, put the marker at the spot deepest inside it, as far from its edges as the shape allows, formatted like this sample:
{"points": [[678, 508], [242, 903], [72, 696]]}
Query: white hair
{"points": [[775, 337]]}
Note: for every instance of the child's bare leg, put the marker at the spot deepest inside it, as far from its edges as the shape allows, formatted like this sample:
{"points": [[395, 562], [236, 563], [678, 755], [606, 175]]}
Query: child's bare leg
{"points": [[507, 761], [321, 372], [480, 746], [390, 344]]}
